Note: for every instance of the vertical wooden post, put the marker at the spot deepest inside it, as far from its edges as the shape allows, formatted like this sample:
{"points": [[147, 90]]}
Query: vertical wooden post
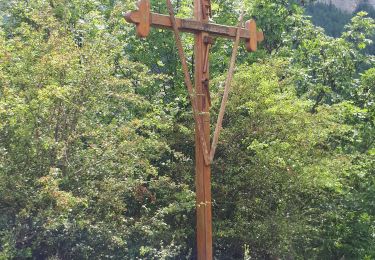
{"points": [[143, 19], [203, 171]]}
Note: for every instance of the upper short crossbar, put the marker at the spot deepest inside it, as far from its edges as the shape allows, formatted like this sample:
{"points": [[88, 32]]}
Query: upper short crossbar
{"points": [[144, 19]]}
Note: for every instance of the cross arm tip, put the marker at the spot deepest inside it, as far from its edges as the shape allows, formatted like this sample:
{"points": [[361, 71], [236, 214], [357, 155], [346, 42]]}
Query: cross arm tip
{"points": [[140, 17], [132, 17]]}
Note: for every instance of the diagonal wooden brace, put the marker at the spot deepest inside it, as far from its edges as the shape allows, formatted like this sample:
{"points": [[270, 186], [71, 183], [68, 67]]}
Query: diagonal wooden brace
{"points": [[226, 92], [144, 19]]}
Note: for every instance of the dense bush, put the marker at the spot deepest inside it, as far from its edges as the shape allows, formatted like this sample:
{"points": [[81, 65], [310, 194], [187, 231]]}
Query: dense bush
{"points": [[96, 137]]}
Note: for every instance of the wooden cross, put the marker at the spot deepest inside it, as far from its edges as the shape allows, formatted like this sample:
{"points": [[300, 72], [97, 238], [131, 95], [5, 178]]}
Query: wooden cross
{"points": [[203, 31]]}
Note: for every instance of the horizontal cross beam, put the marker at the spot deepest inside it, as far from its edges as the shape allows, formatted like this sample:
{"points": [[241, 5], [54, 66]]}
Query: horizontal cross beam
{"points": [[144, 19]]}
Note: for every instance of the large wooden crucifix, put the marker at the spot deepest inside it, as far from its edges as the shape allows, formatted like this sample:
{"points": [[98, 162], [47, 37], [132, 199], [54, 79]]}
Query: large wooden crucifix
{"points": [[200, 95]]}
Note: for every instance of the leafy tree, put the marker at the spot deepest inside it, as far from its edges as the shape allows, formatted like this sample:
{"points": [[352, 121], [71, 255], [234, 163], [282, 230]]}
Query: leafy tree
{"points": [[96, 139], [270, 177], [327, 69], [80, 148]]}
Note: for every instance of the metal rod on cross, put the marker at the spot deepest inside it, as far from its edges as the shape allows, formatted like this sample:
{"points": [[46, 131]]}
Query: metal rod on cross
{"points": [[200, 96]]}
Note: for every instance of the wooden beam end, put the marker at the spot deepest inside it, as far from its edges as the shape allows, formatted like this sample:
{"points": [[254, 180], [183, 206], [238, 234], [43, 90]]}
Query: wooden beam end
{"points": [[132, 17], [255, 37], [141, 17]]}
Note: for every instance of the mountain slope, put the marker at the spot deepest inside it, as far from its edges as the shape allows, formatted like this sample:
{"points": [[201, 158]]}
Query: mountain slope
{"points": [[348, 5]]}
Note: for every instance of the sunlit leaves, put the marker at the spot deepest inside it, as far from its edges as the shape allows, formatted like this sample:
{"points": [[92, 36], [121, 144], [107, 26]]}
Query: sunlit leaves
{"points": [[79, 134], [360, 30], [96, 137]]}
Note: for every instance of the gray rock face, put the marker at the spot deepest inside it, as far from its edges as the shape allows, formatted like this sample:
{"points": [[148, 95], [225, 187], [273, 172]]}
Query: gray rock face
{"points": [[347, 5]]}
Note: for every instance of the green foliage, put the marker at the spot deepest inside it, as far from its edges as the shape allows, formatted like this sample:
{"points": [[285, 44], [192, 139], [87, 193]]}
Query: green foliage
{"points": [[359, 30], [74, 131], [327, 69], [275, 18], [282, 185], [96, 137]]}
